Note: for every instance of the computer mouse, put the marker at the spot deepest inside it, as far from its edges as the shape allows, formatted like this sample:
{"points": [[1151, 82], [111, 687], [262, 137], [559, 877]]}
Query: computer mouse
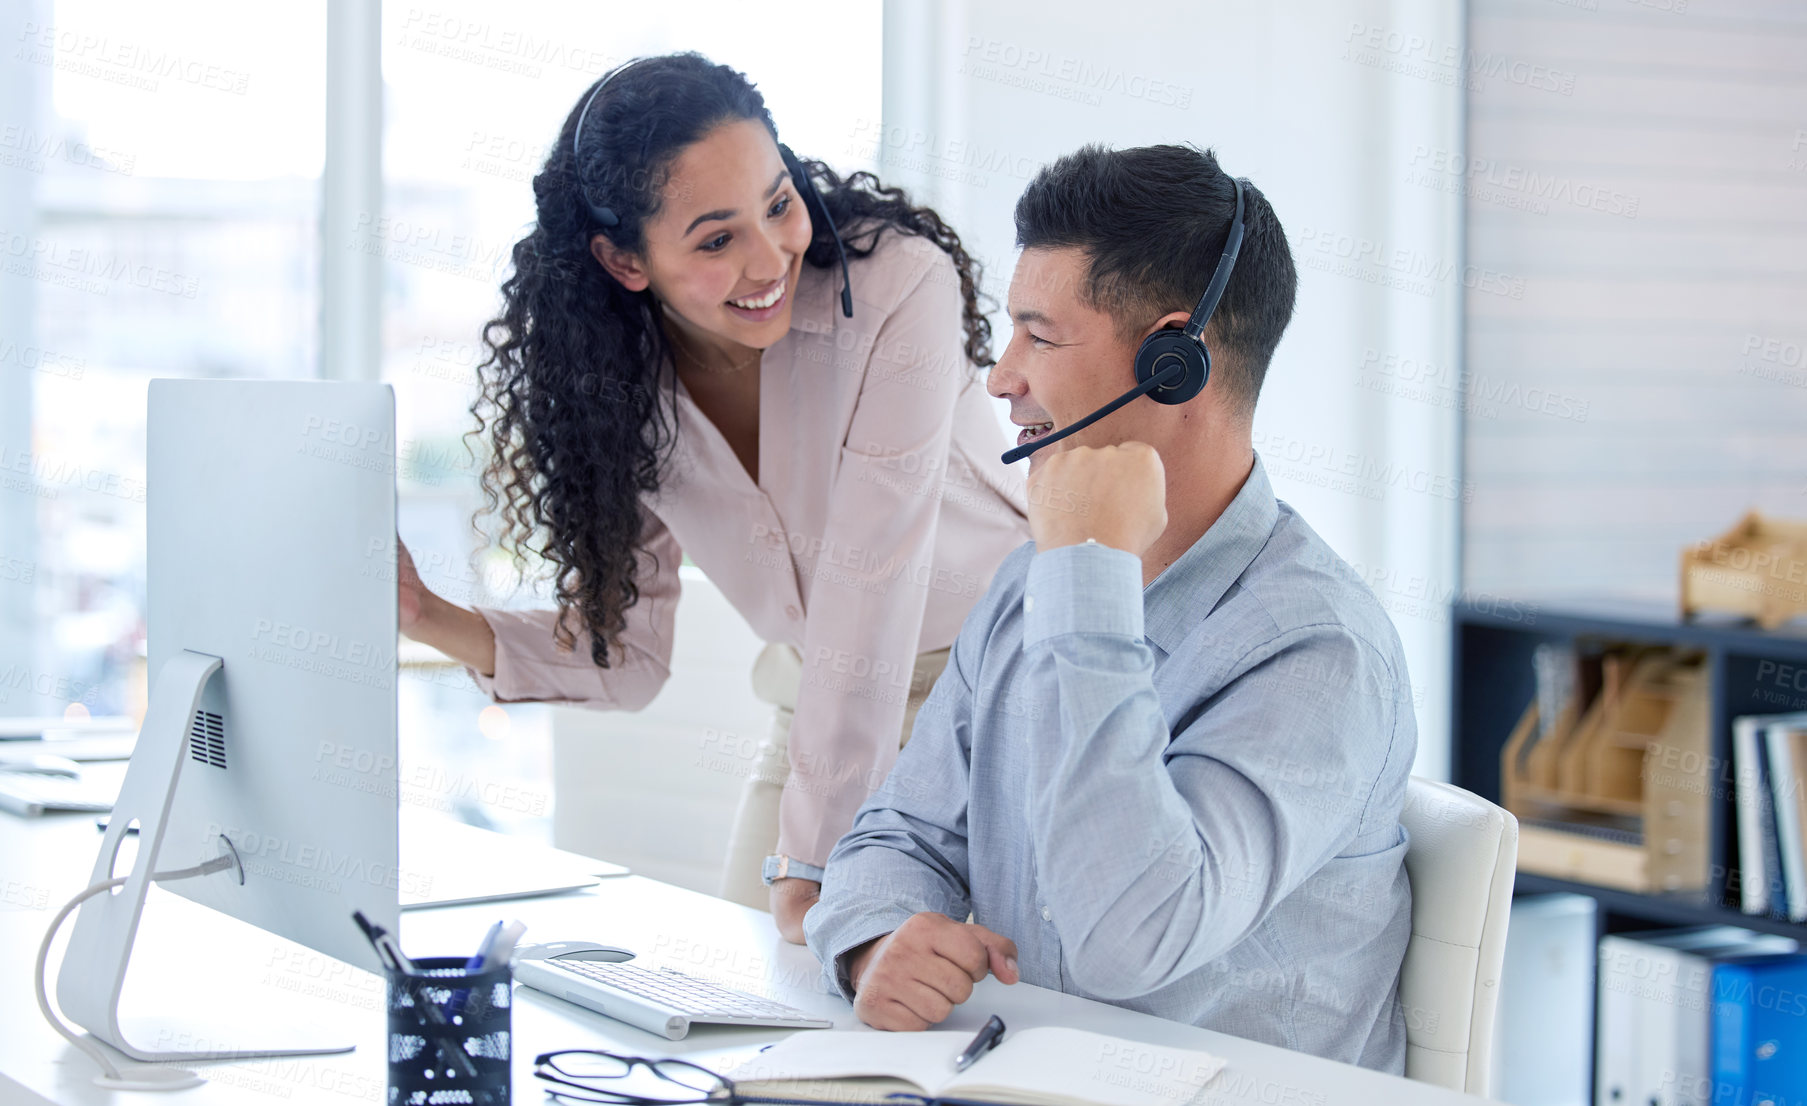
{"points": [[42, 764], [572, 950]]}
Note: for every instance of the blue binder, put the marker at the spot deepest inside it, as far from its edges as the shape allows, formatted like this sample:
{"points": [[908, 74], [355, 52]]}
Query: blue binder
{"points": [[1760, 1030]]}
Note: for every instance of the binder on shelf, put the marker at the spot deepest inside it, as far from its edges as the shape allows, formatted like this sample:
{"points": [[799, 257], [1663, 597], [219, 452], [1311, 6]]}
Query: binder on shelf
{"points": [[1785, 782], [1769, 842], [1753, 808], [1543, 1033], [1657, 1011], [1616, 1029], [1772, 851], [1760, 1030], [1797, 740]]}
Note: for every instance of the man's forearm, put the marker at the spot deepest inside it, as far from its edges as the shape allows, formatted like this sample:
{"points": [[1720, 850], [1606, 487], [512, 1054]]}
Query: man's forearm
{"points": [[866, 895], [878, 876]]}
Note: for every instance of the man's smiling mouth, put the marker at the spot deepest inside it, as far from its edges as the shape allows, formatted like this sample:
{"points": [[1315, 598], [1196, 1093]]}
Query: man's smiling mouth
{"points": [[1033, 431]]}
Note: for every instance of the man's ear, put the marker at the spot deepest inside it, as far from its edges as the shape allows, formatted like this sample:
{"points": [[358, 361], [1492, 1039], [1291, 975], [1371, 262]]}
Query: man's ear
{"points": [[1174, 320], [622, 265]]}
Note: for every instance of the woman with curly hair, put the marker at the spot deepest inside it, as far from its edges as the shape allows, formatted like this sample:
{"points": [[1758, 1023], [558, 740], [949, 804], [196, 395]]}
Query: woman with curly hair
{"points": [[687, 362]]}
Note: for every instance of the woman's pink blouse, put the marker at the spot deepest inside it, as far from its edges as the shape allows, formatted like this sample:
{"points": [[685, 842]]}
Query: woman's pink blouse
{"points": [[880, 514]]}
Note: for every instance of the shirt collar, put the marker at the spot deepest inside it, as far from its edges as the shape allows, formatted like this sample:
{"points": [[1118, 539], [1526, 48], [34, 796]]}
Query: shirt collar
{"points": [[1192, 586]]}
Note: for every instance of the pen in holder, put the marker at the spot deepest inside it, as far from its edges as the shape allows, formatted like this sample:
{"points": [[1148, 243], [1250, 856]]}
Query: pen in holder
{"points": [[450, 1034]]}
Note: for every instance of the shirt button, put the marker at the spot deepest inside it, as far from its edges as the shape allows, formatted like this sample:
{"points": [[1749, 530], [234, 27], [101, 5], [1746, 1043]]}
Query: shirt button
{"points": [[793, 612], [1047, 915], [1028, 603]]}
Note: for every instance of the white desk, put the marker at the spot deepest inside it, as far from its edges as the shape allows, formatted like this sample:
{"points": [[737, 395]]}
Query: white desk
{"points": [[45, 861]]}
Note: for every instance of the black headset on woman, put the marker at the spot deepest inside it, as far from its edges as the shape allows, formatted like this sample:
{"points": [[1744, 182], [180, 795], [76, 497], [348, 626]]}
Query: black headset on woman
{"points": [[812, 201]]}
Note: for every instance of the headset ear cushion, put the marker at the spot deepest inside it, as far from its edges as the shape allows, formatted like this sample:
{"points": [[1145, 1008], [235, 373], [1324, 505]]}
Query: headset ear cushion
{"points": [[1163, 349]]}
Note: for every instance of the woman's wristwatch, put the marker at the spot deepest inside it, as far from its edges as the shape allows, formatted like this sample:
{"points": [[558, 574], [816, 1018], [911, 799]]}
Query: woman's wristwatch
{"points": [[780, 866]]}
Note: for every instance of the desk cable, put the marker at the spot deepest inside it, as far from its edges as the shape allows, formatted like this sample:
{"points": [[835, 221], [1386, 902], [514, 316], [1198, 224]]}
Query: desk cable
{"points": [[143, 1077]]}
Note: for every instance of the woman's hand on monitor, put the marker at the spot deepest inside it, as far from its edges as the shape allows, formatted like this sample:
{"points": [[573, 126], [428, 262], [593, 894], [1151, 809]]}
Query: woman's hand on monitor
{"points": [[412, 595], [464, 635]]}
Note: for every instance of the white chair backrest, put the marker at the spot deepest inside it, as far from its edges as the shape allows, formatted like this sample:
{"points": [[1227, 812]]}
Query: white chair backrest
{"points": [[1461, 859]]}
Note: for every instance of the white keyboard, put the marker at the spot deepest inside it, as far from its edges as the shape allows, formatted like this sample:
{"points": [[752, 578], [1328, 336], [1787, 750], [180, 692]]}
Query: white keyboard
{"points": [[658, 1000]]}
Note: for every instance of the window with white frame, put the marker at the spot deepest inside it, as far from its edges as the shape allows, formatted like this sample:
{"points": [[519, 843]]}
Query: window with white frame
{"points": [[160, 175]]}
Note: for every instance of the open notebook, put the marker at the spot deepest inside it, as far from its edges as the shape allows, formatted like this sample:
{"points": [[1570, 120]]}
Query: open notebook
{"points": [[1046, 1066]]}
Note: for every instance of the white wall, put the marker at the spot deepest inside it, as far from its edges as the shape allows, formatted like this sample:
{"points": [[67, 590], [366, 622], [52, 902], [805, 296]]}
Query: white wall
{"points": [[1324, 105], [1650, 385]]}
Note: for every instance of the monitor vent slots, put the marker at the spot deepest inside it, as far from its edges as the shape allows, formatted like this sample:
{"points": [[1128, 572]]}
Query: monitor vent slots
{"points": [[207, 739]]}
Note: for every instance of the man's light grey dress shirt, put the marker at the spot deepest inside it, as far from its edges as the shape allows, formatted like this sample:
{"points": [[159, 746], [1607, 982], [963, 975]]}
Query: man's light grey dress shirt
{"points": [[1183, 799]]}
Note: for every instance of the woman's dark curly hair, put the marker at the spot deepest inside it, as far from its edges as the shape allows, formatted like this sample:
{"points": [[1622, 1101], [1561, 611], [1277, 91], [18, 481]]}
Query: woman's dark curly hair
{"points": [[570, 398]]}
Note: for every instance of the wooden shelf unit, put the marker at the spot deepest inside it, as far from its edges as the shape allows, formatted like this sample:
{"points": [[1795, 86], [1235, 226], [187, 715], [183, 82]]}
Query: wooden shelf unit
{"points": [[1749, 670]]}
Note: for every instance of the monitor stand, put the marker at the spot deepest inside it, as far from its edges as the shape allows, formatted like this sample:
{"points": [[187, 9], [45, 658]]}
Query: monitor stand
{"points": [[93, 971]]}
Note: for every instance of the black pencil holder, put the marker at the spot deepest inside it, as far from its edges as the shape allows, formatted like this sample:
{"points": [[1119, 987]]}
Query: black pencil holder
{"points": [[450, 1035]]}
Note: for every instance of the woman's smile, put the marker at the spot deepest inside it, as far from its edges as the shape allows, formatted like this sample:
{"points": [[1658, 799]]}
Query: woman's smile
{"points": [[763, 305]]}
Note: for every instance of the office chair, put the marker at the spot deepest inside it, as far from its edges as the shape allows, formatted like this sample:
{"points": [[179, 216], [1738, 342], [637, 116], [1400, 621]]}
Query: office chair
{"points": [[1461, 860]]}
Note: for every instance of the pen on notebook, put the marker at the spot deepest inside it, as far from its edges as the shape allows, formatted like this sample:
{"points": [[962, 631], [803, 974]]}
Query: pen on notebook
{"points": [[987, 1040]]}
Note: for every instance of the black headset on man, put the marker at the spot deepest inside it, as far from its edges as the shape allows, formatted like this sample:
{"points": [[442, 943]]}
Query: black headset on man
{"points": [[1171, 365], [818, 211]]}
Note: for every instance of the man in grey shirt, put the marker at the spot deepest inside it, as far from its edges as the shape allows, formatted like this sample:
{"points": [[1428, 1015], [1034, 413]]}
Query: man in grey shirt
{"points": [[1165, 765]]}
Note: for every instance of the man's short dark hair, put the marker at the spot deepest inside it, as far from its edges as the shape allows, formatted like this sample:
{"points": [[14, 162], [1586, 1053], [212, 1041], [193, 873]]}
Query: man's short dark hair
{"points": [[1153, 221]]}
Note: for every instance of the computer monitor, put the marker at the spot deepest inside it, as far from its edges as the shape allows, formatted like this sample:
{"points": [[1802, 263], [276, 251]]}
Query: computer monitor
{"points": [[270, 735]]}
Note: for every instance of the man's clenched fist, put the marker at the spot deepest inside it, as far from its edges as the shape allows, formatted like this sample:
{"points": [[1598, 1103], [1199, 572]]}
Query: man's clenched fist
{"points": [[1116, 495], [914, 976]]}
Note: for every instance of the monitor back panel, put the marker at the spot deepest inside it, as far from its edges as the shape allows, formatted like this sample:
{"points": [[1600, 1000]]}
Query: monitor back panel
{"points": [[272, 546]]}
